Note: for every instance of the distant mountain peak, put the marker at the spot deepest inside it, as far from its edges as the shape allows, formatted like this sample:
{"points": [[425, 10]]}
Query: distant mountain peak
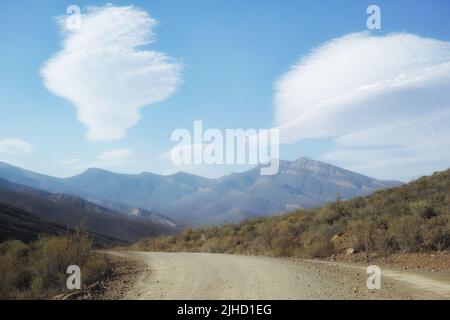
{"points": [[185, 197], [182, 174], [95, 171], [306, 160]]}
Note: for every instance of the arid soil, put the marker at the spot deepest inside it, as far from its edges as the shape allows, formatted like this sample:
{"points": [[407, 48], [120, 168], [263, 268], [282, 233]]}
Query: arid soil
{"points": [[219, 276], [115, 284], [438, 262], [124, 275]]}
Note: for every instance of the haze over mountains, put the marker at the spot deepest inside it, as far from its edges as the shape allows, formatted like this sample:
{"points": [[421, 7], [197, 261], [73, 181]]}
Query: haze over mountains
{"points": [[197, 200], [55, 212]]}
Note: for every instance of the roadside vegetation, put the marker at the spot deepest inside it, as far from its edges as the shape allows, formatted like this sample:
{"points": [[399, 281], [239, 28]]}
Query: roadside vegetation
{"points": [[411, 218], [38, 270]]}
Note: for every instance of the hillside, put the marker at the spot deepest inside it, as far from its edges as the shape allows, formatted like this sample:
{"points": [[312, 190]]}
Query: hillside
{"points": [[303, 183], [18, 224], [411, 218], [70, 211]]}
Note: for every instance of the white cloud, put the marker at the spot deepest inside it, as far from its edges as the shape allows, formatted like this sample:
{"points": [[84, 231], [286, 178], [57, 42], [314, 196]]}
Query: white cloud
{"points": [[15, 146], [404, 149], [384, 100], [102, 71]]}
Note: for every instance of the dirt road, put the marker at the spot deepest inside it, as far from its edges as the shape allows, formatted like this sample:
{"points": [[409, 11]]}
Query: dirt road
{"points": [[215, 276]]}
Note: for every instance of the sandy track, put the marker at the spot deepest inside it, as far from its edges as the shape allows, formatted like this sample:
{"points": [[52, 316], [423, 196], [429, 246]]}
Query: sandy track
{"points": [[202, 276]]}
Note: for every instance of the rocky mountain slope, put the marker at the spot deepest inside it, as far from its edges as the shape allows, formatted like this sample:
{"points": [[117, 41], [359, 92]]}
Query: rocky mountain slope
{"points": [[70, 211], [303, 183]]}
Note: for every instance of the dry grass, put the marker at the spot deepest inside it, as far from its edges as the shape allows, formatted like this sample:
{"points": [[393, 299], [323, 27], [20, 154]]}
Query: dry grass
{"points": [[411, 218], [38, 270]]}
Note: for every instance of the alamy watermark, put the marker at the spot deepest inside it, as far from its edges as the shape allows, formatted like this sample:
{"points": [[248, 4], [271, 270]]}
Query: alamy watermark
{"points": [[374, 280], [374, 20], [74, 280], [73, 21], [234, 146]]}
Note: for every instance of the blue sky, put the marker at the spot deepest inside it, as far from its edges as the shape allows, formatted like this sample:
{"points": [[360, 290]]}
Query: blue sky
{"points": [[232, 55]]}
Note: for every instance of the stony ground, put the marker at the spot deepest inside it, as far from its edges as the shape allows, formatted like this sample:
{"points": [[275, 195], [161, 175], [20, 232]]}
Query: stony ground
{"points": [[438, 262], [202, 276], [143, 275], [115, 284]]}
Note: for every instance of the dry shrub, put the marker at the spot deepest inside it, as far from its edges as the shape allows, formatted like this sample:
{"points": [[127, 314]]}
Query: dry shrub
{"points": [[213, 246], [414, 217], [14, 274], [319, 249], [406, 231], [38, 270], [436, 233], [364, 232]]}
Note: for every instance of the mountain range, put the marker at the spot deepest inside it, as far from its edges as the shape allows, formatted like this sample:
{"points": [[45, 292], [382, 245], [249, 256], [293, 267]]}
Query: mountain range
{"points": [[55, 213], [183, 198]]}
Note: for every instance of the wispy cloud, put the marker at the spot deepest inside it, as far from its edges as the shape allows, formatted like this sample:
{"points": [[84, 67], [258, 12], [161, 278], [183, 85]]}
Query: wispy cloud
{"points": [[15, 146], [384, 100], [104, 73]]}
